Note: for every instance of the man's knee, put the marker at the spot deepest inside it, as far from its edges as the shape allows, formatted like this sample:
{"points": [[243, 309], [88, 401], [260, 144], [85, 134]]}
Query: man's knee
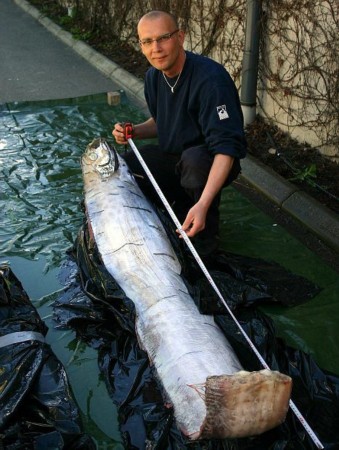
{"points": [[194, 167]]}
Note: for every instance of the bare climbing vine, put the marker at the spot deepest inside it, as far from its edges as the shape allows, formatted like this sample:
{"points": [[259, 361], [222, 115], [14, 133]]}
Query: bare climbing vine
{"points": [[299, 67]]}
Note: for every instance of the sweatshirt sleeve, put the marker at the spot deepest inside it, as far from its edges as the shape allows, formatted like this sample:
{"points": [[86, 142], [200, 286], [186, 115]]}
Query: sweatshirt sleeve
{"points": [[220, 116]]}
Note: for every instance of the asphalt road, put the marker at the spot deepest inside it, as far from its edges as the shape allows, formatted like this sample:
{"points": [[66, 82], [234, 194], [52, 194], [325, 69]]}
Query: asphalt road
{"points": [[36, 65]]}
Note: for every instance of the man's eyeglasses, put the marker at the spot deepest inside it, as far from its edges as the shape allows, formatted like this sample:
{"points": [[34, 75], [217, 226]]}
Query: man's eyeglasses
{"points": [[161, 39]]}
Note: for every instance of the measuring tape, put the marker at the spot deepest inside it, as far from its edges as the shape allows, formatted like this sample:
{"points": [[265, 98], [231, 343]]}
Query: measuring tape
{"points": [[128, 130]]}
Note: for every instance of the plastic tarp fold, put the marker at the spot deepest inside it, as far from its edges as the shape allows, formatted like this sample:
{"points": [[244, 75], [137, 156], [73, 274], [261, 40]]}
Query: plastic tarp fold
{"points": [[37, 410]]}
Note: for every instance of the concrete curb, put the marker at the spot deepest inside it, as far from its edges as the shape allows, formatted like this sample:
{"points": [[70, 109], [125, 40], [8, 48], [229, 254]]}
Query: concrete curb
{"points": [[314, 216], [317, 218]]}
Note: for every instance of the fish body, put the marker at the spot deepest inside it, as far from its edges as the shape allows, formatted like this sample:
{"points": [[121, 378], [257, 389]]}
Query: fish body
{"points": [[188, 349]]}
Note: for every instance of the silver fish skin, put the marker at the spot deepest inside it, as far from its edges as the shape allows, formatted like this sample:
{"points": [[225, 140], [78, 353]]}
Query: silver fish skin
{"points": [[186, 347]]}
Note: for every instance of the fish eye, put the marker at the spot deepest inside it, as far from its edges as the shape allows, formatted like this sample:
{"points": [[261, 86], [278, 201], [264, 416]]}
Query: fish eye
{"points": [[93, 156]]}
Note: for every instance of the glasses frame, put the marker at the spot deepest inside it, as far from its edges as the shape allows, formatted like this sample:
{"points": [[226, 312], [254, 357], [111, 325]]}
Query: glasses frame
{"points": [[163, 38]]}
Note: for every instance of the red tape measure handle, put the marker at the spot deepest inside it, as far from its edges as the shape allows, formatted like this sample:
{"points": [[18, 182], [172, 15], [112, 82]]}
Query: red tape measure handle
{"points": [[128, 130]]}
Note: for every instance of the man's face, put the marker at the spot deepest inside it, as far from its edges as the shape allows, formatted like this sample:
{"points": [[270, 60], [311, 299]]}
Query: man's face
{"points": [[161, 43]]}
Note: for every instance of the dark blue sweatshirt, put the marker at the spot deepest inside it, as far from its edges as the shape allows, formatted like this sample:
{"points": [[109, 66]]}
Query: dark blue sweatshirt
{"points": [[204, 108]]}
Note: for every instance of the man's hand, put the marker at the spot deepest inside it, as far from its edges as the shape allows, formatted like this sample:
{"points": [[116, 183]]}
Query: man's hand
{"points": [[195, 220], [118, 134], [145, 130]]}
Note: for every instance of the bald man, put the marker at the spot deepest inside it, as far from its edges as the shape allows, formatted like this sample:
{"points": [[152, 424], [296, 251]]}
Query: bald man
{"points": [[197, 119]]}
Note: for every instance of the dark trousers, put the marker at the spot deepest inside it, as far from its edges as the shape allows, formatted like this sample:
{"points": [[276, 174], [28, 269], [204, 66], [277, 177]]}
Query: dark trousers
{"points": [[181, 178]]}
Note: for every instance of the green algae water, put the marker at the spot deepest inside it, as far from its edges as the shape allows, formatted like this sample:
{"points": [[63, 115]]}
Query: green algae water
{"points": [[40, 199]]}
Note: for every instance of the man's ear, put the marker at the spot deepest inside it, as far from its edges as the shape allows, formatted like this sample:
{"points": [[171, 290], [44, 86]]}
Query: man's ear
{"points": [[181, 35]]}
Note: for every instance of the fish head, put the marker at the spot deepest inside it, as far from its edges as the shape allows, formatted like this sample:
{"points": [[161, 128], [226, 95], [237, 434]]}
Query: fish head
{"points": [[101, 158]]}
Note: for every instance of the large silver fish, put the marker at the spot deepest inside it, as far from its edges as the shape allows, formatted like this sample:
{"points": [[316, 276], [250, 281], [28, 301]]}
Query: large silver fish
{"points": [[212, 396]]}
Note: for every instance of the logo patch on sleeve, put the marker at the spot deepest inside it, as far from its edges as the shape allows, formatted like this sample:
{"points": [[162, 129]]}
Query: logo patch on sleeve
{"points": [[222, 112]]}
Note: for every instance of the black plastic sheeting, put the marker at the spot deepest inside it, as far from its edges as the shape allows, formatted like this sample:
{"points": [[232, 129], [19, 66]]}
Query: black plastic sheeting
{"points": [[37, 410], [95, 306]]}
